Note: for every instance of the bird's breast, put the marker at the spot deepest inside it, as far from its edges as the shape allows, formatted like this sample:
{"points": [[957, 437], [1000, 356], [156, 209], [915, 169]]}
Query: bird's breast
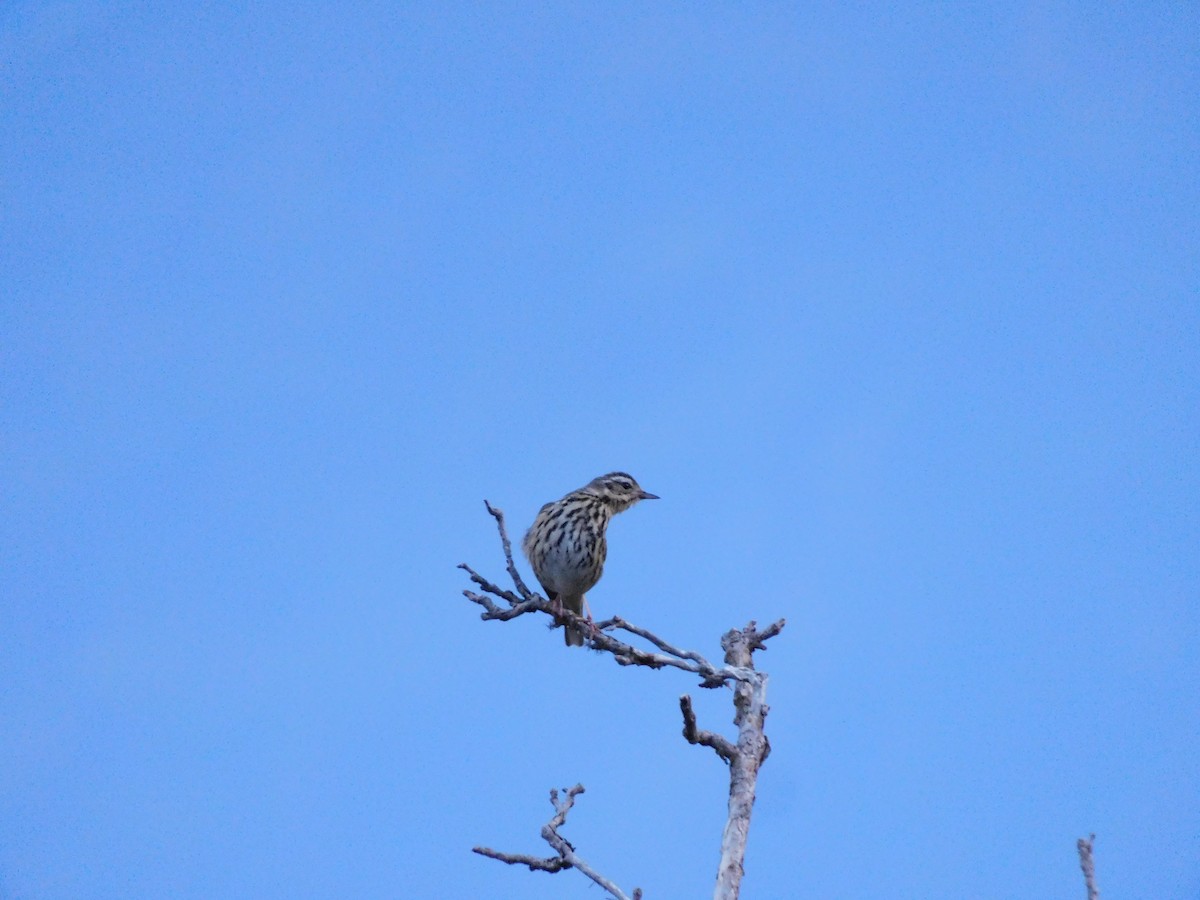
{"points": [[572, 563]]}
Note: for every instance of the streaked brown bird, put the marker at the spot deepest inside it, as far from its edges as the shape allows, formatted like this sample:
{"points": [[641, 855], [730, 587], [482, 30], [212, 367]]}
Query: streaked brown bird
{"points": [[566, 543]]}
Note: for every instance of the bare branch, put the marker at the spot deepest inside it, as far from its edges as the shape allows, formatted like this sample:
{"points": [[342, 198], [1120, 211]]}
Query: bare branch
{"points": [[618, 622], [525, 601], [491, 588], [694, 735], [495, 612], [629, 655], [1084, 845], [536, 864], [749, 699], [759, 639], [498, 515], [567, 858]]}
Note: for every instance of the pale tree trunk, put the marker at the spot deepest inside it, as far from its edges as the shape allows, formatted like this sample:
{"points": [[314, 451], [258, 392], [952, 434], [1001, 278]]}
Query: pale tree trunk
{"points": [[749, 698]]}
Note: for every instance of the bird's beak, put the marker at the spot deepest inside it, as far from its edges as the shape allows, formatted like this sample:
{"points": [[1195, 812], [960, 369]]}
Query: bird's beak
{"points": [[648, 496]]}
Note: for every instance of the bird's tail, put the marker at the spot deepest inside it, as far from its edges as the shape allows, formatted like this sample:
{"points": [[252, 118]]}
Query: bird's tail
{"points": [[573, 635]]}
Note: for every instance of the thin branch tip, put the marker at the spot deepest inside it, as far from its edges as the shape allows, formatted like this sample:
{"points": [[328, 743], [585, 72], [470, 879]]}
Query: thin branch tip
{"points": [[1088, 864]]}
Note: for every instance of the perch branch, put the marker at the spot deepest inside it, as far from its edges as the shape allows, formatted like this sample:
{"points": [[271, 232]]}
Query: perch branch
{"points": [[567, 858], [526, 601]]}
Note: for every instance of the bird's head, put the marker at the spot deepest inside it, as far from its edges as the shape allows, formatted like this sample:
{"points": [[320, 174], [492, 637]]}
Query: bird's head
{"points": [[618, 490]]}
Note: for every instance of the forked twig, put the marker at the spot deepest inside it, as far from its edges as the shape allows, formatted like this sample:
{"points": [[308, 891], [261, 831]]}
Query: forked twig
{"points": [[567, 857]]}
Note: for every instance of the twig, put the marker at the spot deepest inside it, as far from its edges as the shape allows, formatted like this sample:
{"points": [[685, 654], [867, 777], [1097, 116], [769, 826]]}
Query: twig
{"points": [[693, 735], [535, 863], [618, 622], [567, 858], [491, 588], [1084, 845], [498, 515]]}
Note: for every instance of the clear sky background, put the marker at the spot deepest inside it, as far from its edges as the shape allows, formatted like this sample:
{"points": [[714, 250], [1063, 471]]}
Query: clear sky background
{"points": [[895, 306]]}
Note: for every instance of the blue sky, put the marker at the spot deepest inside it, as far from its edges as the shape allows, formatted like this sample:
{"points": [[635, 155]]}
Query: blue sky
{"points": [[895, 306]]}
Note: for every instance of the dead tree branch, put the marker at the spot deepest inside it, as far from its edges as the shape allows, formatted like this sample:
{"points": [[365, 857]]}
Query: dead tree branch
{"points": [[1084, 845], [567, 858], [693, 735], [749, 697]]}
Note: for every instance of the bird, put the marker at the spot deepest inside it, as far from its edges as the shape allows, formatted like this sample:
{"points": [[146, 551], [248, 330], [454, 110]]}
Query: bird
{"points": [[566, 543]]}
